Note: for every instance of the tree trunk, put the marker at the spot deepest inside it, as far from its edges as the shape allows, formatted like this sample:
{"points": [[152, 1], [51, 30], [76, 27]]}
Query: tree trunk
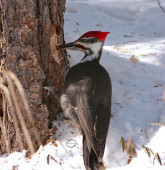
{"points": [[31, 30]]}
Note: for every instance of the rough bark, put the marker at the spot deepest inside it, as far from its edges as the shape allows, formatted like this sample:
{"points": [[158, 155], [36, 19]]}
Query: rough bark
{"points": [[32, 29]]}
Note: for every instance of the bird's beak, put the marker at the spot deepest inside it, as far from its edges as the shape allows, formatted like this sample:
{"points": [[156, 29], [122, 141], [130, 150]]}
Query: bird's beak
{"points": [[70, 46]]}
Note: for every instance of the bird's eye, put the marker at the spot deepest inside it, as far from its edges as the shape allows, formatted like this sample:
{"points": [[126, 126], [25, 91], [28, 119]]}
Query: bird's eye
{"points": [[82, 40], [89, 40]]}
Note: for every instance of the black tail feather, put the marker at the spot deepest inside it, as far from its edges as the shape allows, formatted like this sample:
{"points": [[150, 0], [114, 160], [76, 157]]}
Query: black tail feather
{"points": [[90, 159]]}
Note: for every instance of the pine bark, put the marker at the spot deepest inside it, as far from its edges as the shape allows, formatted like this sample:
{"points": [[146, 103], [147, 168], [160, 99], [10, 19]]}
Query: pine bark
{"points": [[32, 29]]}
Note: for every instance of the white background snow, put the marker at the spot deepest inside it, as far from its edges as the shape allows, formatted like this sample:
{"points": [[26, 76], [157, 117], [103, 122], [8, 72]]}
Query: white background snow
{"points": [[137, 30]]}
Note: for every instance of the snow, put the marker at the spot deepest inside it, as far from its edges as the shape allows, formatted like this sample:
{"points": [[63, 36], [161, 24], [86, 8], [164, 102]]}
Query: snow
{"points": [[134, 56]]}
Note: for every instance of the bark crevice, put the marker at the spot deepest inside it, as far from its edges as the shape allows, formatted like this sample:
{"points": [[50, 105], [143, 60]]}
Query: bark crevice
{"points": [[40, 32]]}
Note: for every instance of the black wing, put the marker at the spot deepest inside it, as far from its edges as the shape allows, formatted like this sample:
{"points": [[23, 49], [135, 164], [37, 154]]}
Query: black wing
{"points": [[90, 93]]}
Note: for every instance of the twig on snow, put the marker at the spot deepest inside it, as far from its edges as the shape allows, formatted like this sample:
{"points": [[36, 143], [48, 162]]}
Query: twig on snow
{"points": [[161, 6]]}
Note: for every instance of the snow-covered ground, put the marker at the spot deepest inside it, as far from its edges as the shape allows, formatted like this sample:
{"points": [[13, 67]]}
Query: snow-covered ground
{"points": [[134, 56]]}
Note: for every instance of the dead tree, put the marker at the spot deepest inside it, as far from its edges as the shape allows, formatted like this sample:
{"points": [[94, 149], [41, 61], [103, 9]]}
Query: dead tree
{"points": [[29, 33]]}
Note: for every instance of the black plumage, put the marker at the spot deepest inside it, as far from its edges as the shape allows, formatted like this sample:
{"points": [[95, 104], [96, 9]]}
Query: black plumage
{"points": [[87, 102], [88, 90]]}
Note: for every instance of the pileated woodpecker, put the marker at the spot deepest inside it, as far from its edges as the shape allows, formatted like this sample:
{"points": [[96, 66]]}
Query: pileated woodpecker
{"points": [[87, 96]]}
